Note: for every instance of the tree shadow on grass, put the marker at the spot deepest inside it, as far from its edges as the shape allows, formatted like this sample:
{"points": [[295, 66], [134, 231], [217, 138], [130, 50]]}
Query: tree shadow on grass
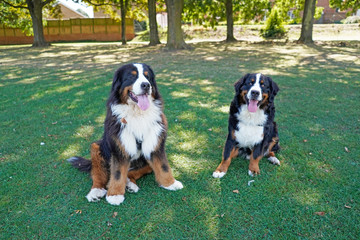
{"points": [[58, 97]]}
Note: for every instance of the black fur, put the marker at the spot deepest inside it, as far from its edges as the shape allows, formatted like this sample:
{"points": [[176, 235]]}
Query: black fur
{"points": [[270, 132]]}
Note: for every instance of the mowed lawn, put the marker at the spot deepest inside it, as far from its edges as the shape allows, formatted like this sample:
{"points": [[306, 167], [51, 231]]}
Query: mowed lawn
{"points": [[52, 106]]}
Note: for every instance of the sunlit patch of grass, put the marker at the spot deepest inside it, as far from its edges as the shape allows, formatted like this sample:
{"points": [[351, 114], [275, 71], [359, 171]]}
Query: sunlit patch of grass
{"points": [[64, 107]]}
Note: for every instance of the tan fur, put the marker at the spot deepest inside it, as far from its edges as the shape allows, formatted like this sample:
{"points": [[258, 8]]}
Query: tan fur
{"points": [[164, 178], [117, 186], [225, 163], [136, 174], [99, 174]]}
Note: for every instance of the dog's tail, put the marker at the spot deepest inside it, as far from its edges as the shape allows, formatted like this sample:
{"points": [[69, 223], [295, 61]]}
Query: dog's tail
{"points": [[83, 164]]}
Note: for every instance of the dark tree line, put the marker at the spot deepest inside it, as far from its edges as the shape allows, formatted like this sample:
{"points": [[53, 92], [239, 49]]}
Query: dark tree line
{"points": [[196, 10]]}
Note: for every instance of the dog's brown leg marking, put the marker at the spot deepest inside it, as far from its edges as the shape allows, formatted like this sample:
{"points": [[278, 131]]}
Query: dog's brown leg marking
{"points": [[136, 174], [225, 163], [254, 164], [118, 177], [162, 170], [271, 145], [99, 174]]}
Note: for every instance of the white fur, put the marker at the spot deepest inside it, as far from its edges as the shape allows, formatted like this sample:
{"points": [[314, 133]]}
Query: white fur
{"points": [[175, 186], [141, 79], [141, 125], [274, 160], [256, 87], [251, 174], [131, 187], [249, 132], [95, 194], [218, 174], [115, 199]]}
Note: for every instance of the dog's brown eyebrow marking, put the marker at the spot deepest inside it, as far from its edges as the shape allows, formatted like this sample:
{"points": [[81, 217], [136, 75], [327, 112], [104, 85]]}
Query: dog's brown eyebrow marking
{"points": [[146, 73], [133, 72], [262, 81], [253, 80]]}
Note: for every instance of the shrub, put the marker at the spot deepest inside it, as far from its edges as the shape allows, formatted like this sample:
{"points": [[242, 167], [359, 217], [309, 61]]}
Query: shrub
{"points": [[351, 20], [274, 26]]}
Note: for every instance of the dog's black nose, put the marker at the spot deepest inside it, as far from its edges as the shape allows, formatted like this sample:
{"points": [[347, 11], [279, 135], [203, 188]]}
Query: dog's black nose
{"points": [[145, 86], [255, 94]]}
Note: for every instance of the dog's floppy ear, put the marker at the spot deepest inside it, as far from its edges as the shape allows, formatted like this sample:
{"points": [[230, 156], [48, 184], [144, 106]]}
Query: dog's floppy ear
{"points": [[117, 80], [155, 91], [240, 83], [273, 89]]}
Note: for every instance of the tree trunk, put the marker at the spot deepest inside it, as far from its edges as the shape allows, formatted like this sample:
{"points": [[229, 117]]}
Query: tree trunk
{"points": [[175, 38], [154, 35], [35, 8], [307, 22], [229, 21], [123, 7]]}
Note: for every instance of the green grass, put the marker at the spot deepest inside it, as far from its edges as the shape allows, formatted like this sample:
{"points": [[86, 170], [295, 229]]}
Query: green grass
{"points": [[57, 96]]}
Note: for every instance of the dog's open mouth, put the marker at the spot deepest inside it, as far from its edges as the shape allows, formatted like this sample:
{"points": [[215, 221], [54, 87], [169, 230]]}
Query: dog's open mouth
{"points": [[253, 105], [141, 100]]}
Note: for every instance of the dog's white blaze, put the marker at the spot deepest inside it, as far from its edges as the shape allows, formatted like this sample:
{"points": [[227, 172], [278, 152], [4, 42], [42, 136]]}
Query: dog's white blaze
{"points": [[249, 132], [143, 126], [141, 79], [256, 87]]}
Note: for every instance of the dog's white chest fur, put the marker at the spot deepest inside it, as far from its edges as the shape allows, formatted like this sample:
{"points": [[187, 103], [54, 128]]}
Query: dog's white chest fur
{"points": [[142, 126], [251, 130]]}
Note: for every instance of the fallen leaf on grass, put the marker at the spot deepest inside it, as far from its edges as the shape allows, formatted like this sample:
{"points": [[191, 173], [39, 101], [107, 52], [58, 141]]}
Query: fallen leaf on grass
{"points": [[348, 207], [346, 149], [320, 213], [236, 191], [78, 211], [115, 214], [305, 140]]}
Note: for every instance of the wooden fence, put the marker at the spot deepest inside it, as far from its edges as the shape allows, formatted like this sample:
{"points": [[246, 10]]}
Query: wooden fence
{"points": [[80, 29]]}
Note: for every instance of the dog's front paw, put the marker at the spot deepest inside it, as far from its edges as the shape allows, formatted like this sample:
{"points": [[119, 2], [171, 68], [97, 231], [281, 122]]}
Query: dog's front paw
{"points": [[274, 160], [175, 186], [95, 194], [218, 174], [115, 199], [131, 187]]}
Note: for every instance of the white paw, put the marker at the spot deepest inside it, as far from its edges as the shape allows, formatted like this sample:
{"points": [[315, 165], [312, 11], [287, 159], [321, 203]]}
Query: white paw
{"points": [[247, 157], [95, 194], [274, 160], [251, 174], [218, 174], [131, 187], [115, 199], [175, 186]]}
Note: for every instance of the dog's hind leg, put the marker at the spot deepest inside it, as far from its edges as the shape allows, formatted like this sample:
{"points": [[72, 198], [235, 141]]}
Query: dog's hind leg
{"points": [[274, 146], [134, 175], [99, 174]]}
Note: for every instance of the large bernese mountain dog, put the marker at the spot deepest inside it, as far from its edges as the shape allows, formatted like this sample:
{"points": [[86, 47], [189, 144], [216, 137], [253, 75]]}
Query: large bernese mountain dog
{"points": [[252, 130], [133, 143]]}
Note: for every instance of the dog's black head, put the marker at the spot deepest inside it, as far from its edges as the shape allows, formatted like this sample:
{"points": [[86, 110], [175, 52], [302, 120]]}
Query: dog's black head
{"points": [[255, 90], [134, 84]]}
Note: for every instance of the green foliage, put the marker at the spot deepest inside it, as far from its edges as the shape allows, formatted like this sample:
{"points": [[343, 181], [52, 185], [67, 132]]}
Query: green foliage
{"points": [[209, 13], [16, 17], [351, 20], [352, 5], [274, 26]]}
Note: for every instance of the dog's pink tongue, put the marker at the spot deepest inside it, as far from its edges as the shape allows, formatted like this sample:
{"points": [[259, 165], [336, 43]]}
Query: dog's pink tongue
{"points": [[143, 102], [252, 107]]}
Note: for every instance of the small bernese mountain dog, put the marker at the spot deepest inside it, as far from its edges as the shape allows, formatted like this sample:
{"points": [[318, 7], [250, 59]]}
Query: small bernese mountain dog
{"points": [[133, 143], [252, 130]]}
